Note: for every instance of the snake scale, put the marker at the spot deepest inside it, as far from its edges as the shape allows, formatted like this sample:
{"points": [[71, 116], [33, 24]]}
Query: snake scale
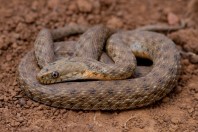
{"points": [[98, 94]]}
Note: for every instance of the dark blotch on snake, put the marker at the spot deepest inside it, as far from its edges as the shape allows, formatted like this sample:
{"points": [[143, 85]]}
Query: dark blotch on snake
{"points": [[161, 81], [176, 57], [145, 86], [35, 84], [162, 66], [171, 70], [128, 90], [99, 99], [110, 91], [92, 91], [166, 47], [155, 74], [73, 91]]}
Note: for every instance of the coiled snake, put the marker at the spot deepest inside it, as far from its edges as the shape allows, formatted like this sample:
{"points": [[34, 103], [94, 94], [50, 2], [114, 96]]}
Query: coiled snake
{"points": [[80, 62]]}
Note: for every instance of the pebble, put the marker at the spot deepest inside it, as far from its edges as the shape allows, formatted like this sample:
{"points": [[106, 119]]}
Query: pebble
{"points": [[115, 22], [84, 6], [81, 20], [172, 18], [53, 3], [193, 58], [178, 89], [22, 101], [2, 76], [14, 45], [34, 5], [29, 104], [14, 123], [193, 86], [20, 27], [30, 18], [72, 8], [185, 62], [175, 120], [20, 119], [173, 128], [6, 99], [14, 83], [190, 110], [165, 99], [96, 6], [196, 96], [56, 113], [16, 36], [1, 98]]}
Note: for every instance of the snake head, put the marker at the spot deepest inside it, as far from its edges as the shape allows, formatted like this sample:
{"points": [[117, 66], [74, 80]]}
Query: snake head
{"points": [[61, 70]]}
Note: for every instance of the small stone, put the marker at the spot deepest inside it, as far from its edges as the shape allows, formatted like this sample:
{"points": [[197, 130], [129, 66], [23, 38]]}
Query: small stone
{"points": [[6, 99], [96, 6], [173, 128], [34, 5], [14, 83], [175, 120], [1, 105], [185, 62], [29, 103], [120, 13], [193, 58], [16, 35], [193, 86], [84, 6], [166, 99], [72, 8], [20, 119], [7, 13], [196, 96], [36, 104], [17, 123], [166, 119], [14, 123], [56, 113], [53, 3], [22, 101], [81, 20], [30, 18], [178, 89], [190, 110], [172, 18], [1, 98], [14, 45], [115, 22], [20, 27]]}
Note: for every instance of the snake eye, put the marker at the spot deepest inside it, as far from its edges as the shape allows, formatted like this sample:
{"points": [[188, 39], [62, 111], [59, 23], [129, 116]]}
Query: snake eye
{"points": [[55, 74]]}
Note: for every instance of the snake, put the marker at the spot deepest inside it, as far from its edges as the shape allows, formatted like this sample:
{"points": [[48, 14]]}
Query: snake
{"points": [[71, 75]]}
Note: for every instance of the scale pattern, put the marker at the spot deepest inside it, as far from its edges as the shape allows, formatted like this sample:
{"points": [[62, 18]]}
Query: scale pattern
{"points": [[115, 94]]}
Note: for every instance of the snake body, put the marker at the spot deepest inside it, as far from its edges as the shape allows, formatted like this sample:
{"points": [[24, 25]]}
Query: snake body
{"points": [[103, 95]]}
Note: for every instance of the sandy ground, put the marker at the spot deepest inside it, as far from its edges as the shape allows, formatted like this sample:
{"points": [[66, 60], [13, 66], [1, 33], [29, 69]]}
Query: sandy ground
{"points": [[21, 20]]}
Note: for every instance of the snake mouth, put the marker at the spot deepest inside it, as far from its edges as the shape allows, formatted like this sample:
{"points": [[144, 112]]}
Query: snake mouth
{"points": [[47, 81], [43, 80]]}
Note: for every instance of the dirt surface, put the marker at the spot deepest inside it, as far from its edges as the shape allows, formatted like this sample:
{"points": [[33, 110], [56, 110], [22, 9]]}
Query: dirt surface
{"points": [[20, 22]]}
